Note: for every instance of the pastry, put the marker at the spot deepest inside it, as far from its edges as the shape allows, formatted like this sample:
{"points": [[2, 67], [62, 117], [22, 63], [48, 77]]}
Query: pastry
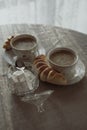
{"points": [[7, 45], [47, 73]]}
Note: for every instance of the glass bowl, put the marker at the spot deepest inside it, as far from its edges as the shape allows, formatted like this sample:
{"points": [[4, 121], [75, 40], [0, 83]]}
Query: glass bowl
{"points": [[22, 81]]}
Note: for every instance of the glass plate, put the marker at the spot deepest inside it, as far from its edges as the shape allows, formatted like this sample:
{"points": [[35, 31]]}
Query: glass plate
{"points": [[9, 56]]}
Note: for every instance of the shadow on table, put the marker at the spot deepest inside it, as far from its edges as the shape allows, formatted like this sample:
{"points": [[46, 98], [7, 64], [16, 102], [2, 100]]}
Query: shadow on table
{"points": [[26, 115]]}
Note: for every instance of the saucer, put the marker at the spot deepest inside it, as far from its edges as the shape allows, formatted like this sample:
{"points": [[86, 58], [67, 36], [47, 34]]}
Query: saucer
{"points": [[78, 74], [10, 57]]}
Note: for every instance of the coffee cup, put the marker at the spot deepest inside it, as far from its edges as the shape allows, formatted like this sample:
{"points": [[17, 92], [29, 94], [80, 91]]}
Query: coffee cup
{"points": [[63, 60], [25, 47]]}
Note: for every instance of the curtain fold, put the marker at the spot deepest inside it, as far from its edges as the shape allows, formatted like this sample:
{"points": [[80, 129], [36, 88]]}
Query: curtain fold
{"points": [[65, 13]]}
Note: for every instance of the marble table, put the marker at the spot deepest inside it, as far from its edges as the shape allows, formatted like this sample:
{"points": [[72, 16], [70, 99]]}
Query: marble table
{"points": [[66, 108]]}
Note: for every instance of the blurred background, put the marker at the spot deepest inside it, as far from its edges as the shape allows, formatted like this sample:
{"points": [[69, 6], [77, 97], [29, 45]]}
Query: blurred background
{"points": [[71, 14]]}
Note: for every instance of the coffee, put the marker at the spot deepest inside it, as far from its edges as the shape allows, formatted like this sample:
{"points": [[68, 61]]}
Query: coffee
{"points": [[24, 43], [63, 58]]}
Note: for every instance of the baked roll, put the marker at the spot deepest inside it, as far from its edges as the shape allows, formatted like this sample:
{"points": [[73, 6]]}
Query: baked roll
{"points": [[47, 73], [7, 45]]}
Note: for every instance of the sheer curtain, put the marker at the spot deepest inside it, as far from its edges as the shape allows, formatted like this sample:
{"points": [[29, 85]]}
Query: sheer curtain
{"points": [[65, 13]]}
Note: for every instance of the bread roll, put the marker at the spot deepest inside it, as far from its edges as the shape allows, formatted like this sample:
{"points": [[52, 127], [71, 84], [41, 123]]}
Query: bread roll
{"points": [[47, 73], [7, 45]]}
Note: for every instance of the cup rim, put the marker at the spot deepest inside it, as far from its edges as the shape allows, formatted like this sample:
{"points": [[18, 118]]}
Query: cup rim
{"points": [[23, 36], [59, 49]]}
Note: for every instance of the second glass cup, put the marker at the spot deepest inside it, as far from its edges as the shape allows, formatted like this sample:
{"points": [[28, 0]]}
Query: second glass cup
{"points": [[22, 81]]}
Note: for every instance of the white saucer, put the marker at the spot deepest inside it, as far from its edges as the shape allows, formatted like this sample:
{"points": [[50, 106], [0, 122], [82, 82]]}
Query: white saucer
{"points": [[79, 73], [9, 56]]}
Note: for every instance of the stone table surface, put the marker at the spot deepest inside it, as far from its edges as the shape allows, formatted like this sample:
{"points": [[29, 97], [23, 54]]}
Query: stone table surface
{"points": [[66, 108]]}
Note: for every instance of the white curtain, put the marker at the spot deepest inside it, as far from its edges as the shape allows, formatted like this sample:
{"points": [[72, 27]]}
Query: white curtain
{"points": [[65, 13]]}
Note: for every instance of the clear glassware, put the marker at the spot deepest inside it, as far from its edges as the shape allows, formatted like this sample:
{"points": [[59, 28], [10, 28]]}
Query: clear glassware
{"points": [[37, 99], [22, 81]]}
